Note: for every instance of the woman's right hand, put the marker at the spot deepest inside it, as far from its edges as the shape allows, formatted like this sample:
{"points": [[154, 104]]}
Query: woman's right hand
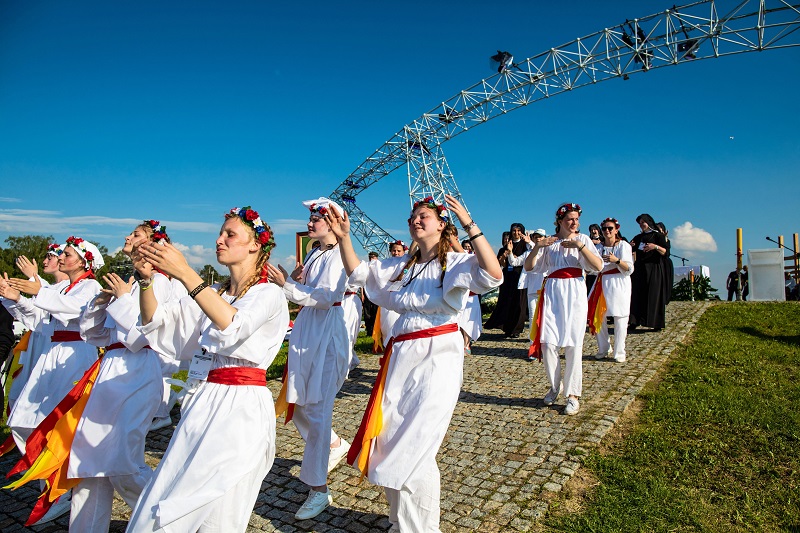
{"points": [[7, 291], [545, 242], [141, 264], [27, 267]]}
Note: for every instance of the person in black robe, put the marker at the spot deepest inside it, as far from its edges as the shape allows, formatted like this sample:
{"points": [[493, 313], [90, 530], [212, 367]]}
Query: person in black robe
{"points": [[669, 267], [648, 298], [509, 315]]}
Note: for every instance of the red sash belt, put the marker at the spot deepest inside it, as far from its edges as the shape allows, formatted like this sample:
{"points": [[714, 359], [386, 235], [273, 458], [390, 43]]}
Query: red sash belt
{"points": [[372, 422], [536, 340], [120, 346], [350, 293], [238, 375], [337, 304], [597, 302], [66, 336], [473, 293]]}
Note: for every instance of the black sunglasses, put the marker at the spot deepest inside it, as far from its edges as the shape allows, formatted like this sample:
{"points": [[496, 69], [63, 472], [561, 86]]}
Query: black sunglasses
{"points": [[608, 228]]}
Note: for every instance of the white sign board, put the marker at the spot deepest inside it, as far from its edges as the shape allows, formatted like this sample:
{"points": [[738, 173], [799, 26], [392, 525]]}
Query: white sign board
{"points": [[765, 269]]}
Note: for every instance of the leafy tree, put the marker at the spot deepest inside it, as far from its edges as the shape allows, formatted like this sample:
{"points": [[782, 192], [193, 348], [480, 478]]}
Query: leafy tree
{"points": [[701, 289], [210, 274], [31, 246]]}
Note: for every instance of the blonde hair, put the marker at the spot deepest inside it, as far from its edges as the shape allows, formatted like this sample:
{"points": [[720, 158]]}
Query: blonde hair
{"points": [[261, 264]]}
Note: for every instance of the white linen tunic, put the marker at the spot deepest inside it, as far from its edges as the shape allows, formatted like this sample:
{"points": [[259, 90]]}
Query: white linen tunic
{"points": [[470, 319], [64, 363], [225, 430], [110, 436], [565, 300], [424, 376], [352, 306], [617, 287], [319, 330]]}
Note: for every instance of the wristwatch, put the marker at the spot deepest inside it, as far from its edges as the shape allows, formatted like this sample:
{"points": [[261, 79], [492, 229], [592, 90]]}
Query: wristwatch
{"points": [[618, 261]]}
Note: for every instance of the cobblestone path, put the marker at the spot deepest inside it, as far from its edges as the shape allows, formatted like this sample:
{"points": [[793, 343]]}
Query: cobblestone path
{"points": [[504, 452]]}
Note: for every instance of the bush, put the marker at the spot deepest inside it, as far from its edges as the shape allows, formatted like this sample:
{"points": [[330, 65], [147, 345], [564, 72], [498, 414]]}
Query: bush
{"points": [[701, 289]]}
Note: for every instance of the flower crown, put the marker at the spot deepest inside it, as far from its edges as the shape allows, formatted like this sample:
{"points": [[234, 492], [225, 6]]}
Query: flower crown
{"points": [[400, 243], [318, 209], [609, 219], [248, 216], [564, 209], [159, 231], [428, 201], [54, 249], [80, 245]]}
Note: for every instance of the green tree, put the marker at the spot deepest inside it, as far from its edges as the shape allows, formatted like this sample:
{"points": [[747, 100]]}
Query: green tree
{"points": [[31, 246], [701, 289], [210, 274]]}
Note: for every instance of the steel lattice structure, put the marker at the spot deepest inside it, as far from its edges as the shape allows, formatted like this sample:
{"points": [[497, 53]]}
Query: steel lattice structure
{"points": [[688, 33]]}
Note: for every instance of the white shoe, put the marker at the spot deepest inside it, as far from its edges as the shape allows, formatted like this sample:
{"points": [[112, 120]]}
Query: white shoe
{"points": [[551, 395], [159, 423], [59, 508], [601, 355], [573, 406], [337, 454], [314, 504], [619, 358]]}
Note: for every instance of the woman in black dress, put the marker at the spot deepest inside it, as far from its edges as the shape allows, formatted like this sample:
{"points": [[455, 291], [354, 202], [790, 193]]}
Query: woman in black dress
{"points": [[648, 297], [509, 315], [669, 268]]}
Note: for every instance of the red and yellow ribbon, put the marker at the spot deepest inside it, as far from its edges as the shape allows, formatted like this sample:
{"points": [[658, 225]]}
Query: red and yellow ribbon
{"points": [[597, 303], [536, 323]]}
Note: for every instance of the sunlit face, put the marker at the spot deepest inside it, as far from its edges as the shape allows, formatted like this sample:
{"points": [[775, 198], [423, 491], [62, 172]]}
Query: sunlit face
{"points": [[70, 261], [609, 230], [137, 236], [50, 264], [425, 223], [516, 233], [396, 250], [536, 238], [467, 247], [317, 227], [571, 222], [235, 243]]}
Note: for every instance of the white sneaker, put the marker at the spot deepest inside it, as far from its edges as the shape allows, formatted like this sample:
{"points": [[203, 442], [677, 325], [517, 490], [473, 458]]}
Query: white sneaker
{"points": [[59, 508], [337, 454], [551, 395], [159, 423], [619, 358], [314, 504], [573, 406], [601, 355]]}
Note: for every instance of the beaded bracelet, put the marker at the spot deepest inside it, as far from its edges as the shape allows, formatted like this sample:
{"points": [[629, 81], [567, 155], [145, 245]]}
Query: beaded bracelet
{"points": [[469, 226], [197, 290]]}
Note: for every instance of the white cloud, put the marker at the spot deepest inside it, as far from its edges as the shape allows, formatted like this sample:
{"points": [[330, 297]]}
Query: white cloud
{"points": [[10, 200], [692, 240], [197, 255]]}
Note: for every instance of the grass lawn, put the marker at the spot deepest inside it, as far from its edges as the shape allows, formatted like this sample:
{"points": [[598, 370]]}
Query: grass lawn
{"points": [[716, 444]]}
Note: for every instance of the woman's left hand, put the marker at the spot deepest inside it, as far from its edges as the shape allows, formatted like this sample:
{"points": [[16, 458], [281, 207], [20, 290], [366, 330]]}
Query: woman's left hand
{"points": [[6, 291], [23, 285], [572, 243], [610, 258], [338, 222], [166, 258], [277, 275]]}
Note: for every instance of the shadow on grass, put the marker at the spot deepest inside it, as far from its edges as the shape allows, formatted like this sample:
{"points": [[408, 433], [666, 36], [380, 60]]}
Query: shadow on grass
{"points": [[791, 340]]}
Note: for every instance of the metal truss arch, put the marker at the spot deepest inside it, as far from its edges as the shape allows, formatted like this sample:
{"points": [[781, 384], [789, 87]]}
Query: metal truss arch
{"points": [[706, 29]]}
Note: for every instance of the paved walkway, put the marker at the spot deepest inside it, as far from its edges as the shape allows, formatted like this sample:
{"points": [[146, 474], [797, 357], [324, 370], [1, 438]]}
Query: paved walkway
{"points": [[504, 452]]}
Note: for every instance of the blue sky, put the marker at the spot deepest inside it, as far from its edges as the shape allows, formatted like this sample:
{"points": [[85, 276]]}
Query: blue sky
{"points": [[111, 112]]}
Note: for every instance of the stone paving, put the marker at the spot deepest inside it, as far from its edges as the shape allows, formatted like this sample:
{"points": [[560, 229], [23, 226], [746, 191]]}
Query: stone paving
{"points": [[504, 456]]}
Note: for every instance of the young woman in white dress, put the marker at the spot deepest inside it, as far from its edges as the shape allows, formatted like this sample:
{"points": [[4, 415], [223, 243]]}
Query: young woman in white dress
{"points": [[422, 369], [224, 444], [561, 310]]}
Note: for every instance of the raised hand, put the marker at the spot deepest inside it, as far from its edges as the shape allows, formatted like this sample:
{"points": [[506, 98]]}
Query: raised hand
{"points": [[23, 285], [457, 209], [7, 291], [166, 258], [116, 285], [338, 222], [29, 268], [277, 275]]}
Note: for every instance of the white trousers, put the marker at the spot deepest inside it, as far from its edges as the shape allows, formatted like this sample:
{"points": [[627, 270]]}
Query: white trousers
{"points": [[573, 371], [90, 511], [418, 511], [533, 297], [620, 333]]}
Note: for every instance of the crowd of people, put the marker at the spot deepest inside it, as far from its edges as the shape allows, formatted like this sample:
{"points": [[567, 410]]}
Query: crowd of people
{"points": [[421, 303]]}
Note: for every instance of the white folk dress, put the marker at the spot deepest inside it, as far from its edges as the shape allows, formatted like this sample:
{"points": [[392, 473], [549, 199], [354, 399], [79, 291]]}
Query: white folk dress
{"points": [[352, 307], [424, 376], [617, 286], [565, 300], [319, 331], [110, 436], [226, 432], [64, 363]]}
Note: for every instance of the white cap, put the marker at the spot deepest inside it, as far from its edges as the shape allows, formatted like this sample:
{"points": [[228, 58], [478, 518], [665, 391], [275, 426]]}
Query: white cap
{"points": [[322, 202], [541, 232]]}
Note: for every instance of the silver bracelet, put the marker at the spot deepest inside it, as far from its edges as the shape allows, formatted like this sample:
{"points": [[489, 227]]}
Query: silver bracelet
{"points": [[469, 226]]}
